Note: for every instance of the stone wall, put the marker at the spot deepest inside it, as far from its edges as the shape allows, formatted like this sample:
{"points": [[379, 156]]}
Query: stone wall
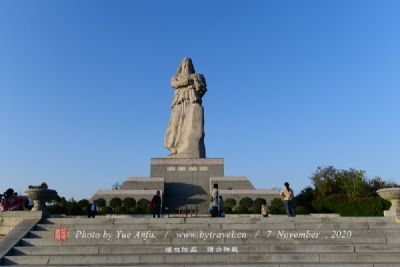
{"points": [[10, 219], [187, 181], [143, 183], [231, 183]]}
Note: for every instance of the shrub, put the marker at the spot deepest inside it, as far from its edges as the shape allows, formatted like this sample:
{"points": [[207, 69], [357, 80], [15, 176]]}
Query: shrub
{"points": [[329, 204], [72, 208], [228, 210], [115, 202], [230, 202], [246, 202], [120, 210], [83, 203], [129, 202], [143, 204], [241, 210], [135, 210], [305, 199], [106, 210], [57, 209], [256, 208], [300, 210], [277, 206], [148, 210], [100, 202]]}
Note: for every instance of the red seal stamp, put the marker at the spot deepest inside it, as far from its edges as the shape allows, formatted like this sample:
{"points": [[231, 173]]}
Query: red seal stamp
{"points": [[60, 233]]}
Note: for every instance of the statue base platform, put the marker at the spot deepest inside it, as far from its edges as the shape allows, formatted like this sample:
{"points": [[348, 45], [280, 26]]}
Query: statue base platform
{"points": [[187, 183]]}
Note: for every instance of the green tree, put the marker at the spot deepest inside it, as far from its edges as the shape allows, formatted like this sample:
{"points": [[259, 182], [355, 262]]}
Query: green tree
{"points": [[136, 210], [72, 207], [149, 210], [377, 183], [276, 206], [83, 203], [324, 181], [115, 202], [101, 202], [304, 199], [230, 202], [227, 210], [241, 210], [246, 202], [347, 192], [143, 204], [256, 207], [106, 210], [57, 208], [353, 183], [120, 210], [129, 203]]}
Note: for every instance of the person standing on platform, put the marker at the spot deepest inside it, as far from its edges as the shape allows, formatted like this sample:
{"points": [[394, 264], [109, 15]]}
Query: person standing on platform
{"points": [[91, 209], [215, 201], [156, 204], [287, 194], [221, 207], [264, 208]]}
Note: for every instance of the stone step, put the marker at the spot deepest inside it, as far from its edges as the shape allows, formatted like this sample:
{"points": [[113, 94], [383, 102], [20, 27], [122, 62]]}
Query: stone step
{"points": [[236, 219], [244, 265], [374, 242], [249, 241], [281, 258], [222, 226], [160, 249], [117, 233], [274, 228]]}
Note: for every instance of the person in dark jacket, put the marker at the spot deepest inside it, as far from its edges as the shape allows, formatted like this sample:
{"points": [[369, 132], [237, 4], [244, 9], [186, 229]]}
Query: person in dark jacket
{"points": [[156, 204], [91, 210]]}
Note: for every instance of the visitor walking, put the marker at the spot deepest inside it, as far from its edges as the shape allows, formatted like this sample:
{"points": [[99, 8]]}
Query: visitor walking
{"points": [[287, 194], [215, 201], [156, 204]]}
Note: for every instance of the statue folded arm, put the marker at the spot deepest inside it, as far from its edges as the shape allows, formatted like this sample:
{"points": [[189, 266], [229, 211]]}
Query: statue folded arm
{"points": [[177, 82]]}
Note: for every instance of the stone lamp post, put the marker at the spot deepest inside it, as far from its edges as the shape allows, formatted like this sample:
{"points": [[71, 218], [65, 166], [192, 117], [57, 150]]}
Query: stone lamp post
{"points": [[40, 195], [392, 195]]}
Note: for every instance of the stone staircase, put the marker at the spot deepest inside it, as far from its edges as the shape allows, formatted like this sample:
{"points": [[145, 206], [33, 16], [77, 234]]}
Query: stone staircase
{"points": [[231, 241]]}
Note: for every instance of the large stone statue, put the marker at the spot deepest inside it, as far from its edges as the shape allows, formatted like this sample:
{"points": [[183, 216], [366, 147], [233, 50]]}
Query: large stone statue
{"points": [[185, 134]]}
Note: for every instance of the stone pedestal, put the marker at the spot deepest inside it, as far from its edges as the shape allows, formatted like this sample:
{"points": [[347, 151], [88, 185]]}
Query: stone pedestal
{"points": [[187, 181], [392, 195]]}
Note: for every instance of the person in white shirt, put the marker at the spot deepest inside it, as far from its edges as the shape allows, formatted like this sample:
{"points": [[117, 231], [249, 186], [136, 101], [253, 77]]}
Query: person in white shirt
{"points": [[287, 194], [215, 201]]}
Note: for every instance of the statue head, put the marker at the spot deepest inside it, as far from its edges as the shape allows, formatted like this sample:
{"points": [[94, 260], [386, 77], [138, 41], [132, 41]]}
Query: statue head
{"points": [[186, 67]]}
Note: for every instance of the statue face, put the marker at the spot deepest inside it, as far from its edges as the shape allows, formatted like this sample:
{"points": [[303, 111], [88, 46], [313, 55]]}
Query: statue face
{"points": [[186, 68]]}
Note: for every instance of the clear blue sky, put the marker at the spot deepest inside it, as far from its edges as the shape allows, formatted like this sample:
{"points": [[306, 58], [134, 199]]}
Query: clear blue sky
{"points": [[292, 85]]}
